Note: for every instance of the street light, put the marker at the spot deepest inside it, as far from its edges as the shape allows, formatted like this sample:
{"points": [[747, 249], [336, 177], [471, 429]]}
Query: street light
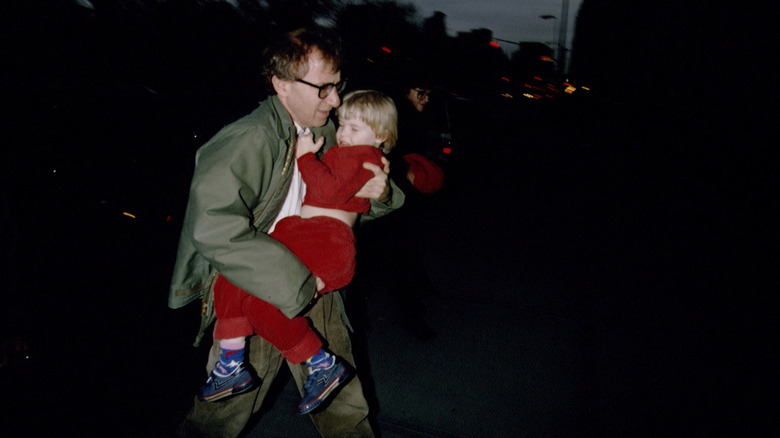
{"points": [[563, 25], [562, 30], [550, 17]]}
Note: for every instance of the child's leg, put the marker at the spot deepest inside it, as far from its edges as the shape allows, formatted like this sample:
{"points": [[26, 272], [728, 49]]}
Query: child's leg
{"points": [[229, 377], [298, 343], [293, 337], [232, 320], [232, 326], [325, 245], [231, 352]]}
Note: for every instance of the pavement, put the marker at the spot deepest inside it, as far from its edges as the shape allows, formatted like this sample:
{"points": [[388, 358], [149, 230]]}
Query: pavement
{"points": [[584, 287]]}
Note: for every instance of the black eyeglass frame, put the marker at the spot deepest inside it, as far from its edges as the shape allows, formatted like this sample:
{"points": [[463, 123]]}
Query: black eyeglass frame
{"points": [[422, 93], [324, 90]]}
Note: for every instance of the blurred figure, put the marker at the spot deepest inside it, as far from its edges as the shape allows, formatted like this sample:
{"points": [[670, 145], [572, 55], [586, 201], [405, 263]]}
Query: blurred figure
{"points": [[398, 234], [418, 95], [414, 158]]}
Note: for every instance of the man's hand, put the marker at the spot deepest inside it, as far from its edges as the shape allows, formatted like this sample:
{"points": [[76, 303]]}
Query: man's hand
{"points": [[305, 144], [320, 286], [377, 187]]}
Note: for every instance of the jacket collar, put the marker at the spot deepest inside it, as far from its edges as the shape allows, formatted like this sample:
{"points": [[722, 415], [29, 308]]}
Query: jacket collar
{"points": [[285, 126]]}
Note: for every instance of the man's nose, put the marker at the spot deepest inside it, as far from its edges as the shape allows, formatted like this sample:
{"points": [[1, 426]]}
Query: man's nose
{"points": [[333, 99]]}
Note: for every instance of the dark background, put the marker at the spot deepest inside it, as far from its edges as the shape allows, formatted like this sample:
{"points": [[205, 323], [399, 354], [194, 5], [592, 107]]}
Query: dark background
{"points": [[669, 158]]}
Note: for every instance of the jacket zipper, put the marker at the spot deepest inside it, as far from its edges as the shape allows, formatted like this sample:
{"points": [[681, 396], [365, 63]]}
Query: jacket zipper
{"points": [[209, 295]]}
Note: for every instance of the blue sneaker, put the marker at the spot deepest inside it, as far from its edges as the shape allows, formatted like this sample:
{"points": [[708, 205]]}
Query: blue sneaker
{"points": [[321, 382], [220, 385]]}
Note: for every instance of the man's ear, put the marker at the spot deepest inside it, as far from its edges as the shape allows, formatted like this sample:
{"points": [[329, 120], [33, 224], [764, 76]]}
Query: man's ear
{"points": [[281, 86]]}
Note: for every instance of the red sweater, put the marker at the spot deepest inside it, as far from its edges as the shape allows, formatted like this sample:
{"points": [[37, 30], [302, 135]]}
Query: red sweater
{"points": [[333, 180]]}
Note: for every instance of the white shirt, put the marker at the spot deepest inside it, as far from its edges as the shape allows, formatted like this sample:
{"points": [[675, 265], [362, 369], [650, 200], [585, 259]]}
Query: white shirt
{"points": [[292, 204]]}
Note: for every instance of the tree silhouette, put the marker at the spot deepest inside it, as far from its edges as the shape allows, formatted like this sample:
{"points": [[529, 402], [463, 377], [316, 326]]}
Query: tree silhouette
{"points": [[380, 40]]}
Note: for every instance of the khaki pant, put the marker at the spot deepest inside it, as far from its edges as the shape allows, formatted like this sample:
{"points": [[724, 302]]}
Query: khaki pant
{"points": [[346, 414]]}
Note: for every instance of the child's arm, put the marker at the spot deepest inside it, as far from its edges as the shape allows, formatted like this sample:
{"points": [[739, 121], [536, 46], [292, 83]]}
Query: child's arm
{"points": [[306, 144], [338, 174]]}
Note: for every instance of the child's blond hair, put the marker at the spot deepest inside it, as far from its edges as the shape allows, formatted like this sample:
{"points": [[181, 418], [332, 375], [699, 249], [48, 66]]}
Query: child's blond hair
{"points": [[376, 110]]}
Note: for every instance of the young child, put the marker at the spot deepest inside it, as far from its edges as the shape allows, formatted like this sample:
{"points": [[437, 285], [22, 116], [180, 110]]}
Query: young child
{"points": [[323, 240]]}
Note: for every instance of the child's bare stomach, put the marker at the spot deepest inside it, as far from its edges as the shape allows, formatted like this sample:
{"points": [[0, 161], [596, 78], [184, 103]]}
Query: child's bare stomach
{"points": [[348, 218]]}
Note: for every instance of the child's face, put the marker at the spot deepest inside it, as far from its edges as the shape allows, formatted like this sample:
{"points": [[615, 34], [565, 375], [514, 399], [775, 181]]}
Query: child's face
{"points": [[355, 132]]}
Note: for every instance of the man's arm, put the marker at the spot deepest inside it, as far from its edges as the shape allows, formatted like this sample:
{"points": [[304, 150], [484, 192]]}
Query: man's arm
{"points": [[377, 188]]}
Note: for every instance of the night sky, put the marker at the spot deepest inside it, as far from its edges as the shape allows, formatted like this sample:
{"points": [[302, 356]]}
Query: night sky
{"points": [[512, 20]]}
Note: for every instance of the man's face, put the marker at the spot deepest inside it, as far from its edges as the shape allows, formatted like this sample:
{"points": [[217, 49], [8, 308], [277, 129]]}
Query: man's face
{"points": [[302, 101]]}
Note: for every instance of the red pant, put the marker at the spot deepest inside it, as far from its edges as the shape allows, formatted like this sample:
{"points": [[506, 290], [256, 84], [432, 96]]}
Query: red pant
{"points": [[327, 247]]}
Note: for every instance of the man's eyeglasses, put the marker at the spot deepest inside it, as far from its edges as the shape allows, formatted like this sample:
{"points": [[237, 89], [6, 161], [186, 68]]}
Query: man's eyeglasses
{"points": [[422, 94], [325, 89]]}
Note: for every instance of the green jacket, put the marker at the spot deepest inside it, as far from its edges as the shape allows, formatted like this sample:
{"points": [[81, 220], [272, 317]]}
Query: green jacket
{"points": [[241, 179]]}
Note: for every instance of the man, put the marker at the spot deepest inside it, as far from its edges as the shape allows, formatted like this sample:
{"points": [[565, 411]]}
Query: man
{"points": [[245, 180]]}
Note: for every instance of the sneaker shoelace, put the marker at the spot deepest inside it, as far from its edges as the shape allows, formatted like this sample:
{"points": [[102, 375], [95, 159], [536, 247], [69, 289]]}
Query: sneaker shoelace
{"points": [[323, 365], [223, 371]]}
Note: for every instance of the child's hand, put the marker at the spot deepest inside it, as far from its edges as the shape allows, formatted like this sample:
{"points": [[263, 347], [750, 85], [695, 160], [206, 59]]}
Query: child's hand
{"points": [[306, 144]]}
